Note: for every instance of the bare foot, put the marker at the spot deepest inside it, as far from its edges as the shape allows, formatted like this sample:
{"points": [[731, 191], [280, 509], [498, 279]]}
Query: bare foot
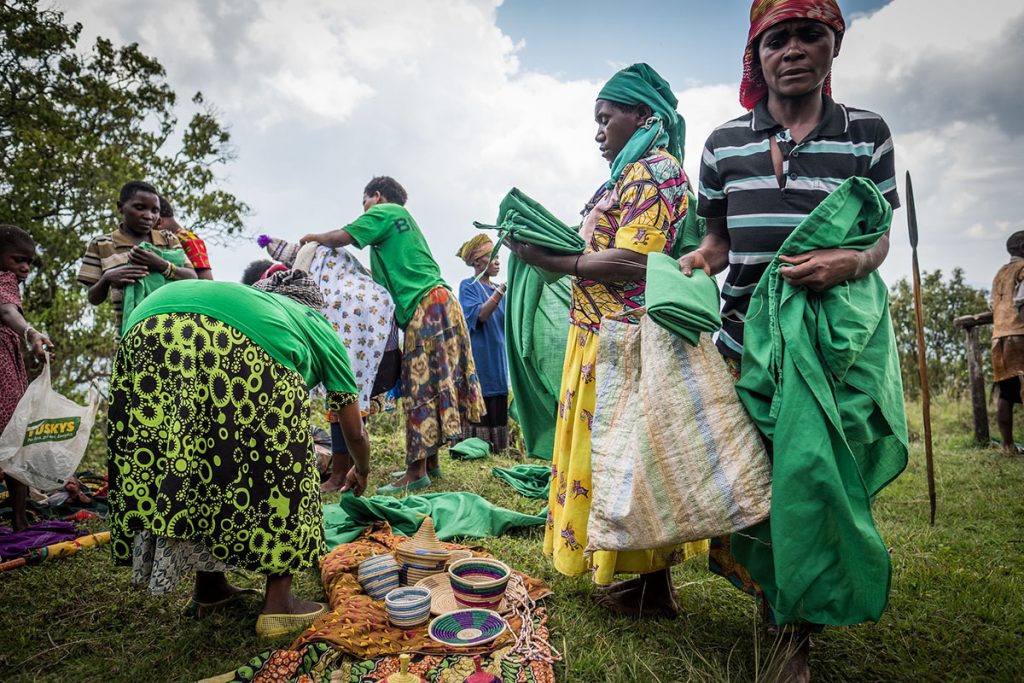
{"points": [[213, 587], [797, 668], [617, 586], [332, 484], [649, 595]]}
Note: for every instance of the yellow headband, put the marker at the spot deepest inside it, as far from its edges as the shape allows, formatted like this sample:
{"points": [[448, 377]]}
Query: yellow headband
{"points": [[475, 249]]}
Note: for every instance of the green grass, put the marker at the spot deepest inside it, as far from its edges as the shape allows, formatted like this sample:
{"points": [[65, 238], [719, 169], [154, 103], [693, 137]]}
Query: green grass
{"points": [[956, 611]]}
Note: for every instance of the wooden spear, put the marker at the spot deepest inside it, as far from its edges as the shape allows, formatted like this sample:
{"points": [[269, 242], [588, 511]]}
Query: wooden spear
{"points": [[922, 365]]}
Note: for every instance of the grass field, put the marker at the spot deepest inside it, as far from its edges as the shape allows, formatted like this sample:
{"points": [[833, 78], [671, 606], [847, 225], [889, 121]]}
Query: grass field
{"points": [[956, 610]]}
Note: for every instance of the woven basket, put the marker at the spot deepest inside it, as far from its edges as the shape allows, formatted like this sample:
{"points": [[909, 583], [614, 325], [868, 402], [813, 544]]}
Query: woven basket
{"points": [[422, 555]]}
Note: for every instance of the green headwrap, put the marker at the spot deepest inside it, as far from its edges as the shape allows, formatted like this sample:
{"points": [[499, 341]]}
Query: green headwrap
{"points": [[640, 84]]}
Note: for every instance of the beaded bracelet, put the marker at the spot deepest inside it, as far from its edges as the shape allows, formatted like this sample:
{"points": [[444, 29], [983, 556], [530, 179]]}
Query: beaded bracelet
{"points": [[29, 328], [169, 273]]}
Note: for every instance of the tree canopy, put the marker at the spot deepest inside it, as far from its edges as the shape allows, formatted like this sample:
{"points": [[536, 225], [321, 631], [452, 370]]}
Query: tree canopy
{"points": [[943, 300], [75, 125]]}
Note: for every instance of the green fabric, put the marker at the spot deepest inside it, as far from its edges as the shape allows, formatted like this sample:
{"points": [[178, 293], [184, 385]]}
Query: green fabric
{"points": [[533, 481], [400, 258], [526, 220], [821, 379], [470, 449], [294, 335], [536, 329], [693, 231], [457, 514], [536, 310], [135, 293], [683, 305], [640, 84]]}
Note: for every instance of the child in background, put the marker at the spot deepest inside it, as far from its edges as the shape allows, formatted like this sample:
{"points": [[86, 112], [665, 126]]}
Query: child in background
{"points": [[114, 261], [194, 246], [17, 249]]}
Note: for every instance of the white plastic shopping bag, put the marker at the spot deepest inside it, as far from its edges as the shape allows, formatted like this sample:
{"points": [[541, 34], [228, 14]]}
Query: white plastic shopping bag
{"points": [[47, 435]]}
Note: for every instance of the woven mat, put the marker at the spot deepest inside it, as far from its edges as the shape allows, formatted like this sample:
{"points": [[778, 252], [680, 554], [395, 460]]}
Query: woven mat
{"points": [[358, 625]]}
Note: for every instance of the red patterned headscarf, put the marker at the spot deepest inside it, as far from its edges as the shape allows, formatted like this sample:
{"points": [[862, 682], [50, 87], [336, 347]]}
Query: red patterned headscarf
{"points": [[766, 13]]}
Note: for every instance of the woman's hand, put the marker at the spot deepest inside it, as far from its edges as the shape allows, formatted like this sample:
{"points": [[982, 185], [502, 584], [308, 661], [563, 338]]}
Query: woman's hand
{"points": [[822, 269], [39, 344], [148, 259], [311, 237], [528, 253], [354, 482], [695, 260]]}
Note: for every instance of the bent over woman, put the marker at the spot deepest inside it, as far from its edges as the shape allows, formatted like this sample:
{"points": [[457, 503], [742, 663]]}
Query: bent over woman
{"points": [[211, 460]]}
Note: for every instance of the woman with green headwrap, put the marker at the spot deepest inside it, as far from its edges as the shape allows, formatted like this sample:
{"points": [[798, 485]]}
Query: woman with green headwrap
{"points": [[638, 210]]}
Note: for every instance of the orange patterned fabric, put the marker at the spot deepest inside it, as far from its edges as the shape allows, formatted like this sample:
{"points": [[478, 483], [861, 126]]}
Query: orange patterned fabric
{"points": [[358, 625]]}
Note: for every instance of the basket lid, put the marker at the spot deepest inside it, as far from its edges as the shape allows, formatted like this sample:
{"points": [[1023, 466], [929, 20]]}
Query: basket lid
{"points": [[425, 539]]}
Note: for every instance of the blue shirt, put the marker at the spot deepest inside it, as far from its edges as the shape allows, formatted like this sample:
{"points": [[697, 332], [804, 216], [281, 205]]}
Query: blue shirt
{"points": [[487, 337]]}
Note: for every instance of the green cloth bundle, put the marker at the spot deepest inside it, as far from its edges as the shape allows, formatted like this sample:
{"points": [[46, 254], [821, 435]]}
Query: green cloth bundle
{"points": [[143, 287], [683, 305], [470, 449], [526, 220], [821, 379], [533, 481], [536, 318], [455, 515]]}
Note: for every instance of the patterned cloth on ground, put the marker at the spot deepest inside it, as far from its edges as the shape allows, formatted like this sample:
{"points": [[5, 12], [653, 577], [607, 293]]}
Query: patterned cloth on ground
{"points": [[89, 503], [358, 625], [322, 663], [440, 390], [17, 543], [236, 470]]}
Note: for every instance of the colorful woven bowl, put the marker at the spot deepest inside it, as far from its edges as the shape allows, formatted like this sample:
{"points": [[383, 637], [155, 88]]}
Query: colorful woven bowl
{"points": [[378, 576], [467, 627], [479, 582], [408, 607]]}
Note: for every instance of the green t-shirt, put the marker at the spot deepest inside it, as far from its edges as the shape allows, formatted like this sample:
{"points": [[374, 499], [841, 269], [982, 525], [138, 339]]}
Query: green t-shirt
{"points": [[294, 335], [400, 259]]}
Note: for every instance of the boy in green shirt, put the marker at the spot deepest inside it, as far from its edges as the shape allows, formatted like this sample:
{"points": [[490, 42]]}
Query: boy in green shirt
{"points": [[440, 390]]}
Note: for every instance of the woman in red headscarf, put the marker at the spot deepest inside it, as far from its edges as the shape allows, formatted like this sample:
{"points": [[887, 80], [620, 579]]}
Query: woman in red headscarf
{"points": [[762, 174]]}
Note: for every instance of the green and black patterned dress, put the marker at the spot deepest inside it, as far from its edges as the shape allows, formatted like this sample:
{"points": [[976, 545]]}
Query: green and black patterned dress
{"points": [[211, 460]]}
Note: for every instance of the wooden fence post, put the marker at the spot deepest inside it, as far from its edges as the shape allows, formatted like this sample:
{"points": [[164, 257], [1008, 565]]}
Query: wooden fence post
{"points": [[971, 324]]}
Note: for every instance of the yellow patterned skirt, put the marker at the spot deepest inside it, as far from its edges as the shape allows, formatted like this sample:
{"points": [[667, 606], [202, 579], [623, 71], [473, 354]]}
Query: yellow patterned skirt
{"points": [[565, 536]]}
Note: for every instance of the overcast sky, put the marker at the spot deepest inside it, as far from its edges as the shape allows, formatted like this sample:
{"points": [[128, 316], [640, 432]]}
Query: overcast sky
{"points": [[462, 99]]}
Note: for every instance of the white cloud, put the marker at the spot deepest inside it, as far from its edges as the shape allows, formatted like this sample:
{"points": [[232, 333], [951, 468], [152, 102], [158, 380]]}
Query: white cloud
{"points": [[323, 94]]}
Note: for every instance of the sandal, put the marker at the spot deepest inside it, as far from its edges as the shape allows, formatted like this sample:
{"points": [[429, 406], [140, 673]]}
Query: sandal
{"points": [[274, 625]]}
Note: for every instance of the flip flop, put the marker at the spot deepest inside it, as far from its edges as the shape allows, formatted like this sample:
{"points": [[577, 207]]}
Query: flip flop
{"points": [[196, 608], [274, 625], [390, 489]]}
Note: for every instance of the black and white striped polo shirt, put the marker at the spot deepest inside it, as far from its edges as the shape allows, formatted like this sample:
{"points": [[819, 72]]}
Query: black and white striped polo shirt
{"points": [[738, 183]]}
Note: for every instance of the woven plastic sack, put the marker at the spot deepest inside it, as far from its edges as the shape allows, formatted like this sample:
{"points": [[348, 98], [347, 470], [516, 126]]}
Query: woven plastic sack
{"points": [[675, 456], [47, 435]]}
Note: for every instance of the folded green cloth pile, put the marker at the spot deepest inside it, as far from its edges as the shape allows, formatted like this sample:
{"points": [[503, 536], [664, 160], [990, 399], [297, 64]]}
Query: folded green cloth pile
{"points": [[470, 449], [683, 305]]}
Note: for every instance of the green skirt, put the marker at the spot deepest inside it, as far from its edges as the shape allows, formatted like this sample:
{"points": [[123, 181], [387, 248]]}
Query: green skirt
{"points": [[210, 442]]}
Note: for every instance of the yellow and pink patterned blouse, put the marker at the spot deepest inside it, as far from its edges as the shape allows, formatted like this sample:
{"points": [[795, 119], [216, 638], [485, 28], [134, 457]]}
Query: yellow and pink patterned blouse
{"points": [[642, 212]]}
